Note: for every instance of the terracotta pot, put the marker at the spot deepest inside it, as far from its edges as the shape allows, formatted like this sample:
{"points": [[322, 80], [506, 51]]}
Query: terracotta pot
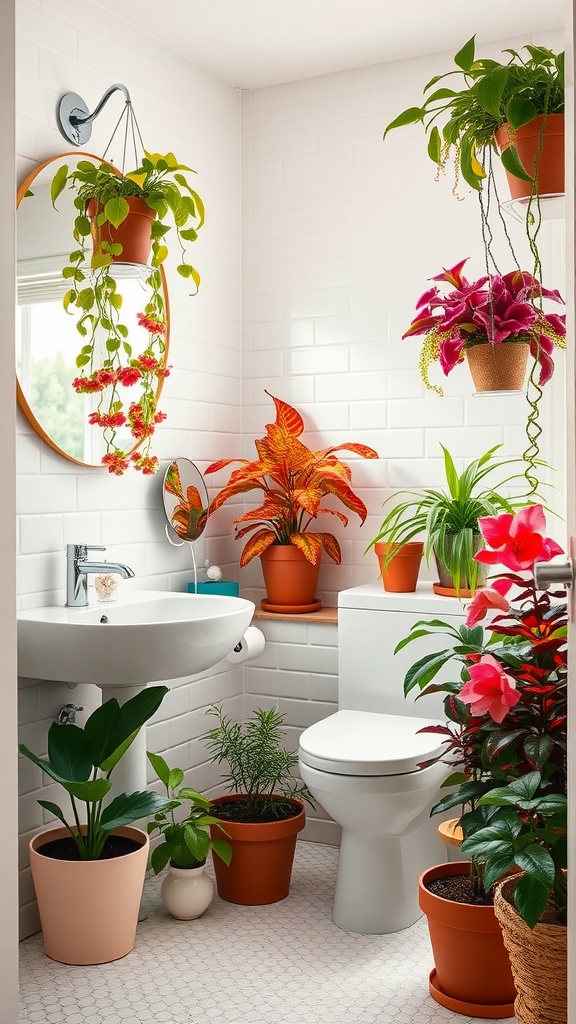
{"points": [[550, 161], [499, 367], [445, 585], [133, 234], [290, 580], [401, 574], [539, 962], [262, 857], [88, 909], [186, 892], [472, 973]]}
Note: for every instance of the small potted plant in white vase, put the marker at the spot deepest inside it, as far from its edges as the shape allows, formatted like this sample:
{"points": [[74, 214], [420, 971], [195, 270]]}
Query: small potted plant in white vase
{"points": [[186, 890]]}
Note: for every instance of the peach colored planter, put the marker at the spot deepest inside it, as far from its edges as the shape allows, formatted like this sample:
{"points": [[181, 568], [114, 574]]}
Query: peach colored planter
{"points": [[88, 909], [133, 234], [472, 974], [290, 579], [401, 574], [262, 857]]}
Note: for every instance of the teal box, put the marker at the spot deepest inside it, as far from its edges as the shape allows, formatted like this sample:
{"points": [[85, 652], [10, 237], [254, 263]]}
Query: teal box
{"points": [[226, 587]]}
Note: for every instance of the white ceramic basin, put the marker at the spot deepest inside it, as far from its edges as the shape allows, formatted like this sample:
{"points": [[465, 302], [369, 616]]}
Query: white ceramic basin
{"points": [[151, 636]]}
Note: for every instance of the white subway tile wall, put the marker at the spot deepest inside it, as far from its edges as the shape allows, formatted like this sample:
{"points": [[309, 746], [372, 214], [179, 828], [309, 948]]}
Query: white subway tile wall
{"points": [[318, 241]]}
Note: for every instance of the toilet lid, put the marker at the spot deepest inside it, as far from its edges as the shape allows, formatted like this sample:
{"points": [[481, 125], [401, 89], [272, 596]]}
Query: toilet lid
{"points": [[368, 743]]}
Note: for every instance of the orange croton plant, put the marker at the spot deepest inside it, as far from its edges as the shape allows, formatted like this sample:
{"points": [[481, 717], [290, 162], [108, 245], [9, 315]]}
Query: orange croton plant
{"points": [[294, 480]]}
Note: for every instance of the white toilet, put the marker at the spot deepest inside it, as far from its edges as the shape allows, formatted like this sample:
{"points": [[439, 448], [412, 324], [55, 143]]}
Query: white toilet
{"points": [[361, 763]]}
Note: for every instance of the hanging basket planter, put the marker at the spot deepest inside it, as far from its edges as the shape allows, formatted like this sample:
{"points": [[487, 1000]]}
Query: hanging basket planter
{"points": [[133, 234], [539, 962], [499, 367], [540, 148]]}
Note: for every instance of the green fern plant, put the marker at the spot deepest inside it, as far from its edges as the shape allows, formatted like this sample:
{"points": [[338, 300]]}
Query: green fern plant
{"points": [[259, 767]]}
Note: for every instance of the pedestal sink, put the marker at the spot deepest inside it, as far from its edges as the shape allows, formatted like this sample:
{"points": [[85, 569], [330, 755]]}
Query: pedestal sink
{"points": [[148, 636]]}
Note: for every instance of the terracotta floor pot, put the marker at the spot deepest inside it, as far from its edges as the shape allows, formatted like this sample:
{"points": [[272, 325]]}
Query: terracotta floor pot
{"points": [[472, 973], [291, 580], [499, 367], [88, 909], [262, 857], [539, 962], [400, 576], [133, 234], [550, 159]]}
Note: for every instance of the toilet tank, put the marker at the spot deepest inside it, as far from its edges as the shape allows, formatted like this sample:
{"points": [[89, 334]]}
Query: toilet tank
{"points": [[371, 621]]}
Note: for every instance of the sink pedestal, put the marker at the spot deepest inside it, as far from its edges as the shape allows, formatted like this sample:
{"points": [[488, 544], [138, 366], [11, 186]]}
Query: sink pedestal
{"points": [[129, 775]]}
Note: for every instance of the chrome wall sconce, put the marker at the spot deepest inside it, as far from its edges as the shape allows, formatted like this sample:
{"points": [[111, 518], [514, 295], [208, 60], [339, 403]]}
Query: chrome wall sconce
{"points": [[74, 118]]}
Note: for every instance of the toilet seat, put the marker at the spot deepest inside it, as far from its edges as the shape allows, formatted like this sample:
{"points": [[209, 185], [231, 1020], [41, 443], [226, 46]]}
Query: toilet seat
{"points": [[368, 743]]}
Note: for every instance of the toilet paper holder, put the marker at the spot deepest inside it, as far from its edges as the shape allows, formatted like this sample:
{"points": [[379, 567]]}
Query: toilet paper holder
{"points": [[250, 646]]}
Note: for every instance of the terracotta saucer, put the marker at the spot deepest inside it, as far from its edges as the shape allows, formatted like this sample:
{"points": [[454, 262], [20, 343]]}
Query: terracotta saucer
{"points": [[489, 1011], [449, 591], [290, 609]]}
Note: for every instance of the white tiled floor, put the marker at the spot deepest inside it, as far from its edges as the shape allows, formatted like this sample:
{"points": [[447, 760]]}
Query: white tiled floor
{"points": [[282, 964]]}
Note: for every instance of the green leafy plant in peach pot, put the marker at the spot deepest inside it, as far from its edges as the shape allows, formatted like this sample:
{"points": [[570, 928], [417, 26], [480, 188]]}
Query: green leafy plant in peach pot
{"points": [[88, 874], [294, 481]]}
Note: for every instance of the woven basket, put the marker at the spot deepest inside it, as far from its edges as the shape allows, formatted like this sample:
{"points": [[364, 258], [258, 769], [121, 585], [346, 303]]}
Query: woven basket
{"points": [[499, 367], [539, 962]]}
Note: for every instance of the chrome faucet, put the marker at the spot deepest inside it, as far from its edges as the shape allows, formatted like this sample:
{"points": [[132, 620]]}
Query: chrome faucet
{"points": [[78, 568]]}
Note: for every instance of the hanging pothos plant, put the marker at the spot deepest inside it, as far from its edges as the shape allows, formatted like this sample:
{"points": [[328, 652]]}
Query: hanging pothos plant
{"points": [[116, 355]]}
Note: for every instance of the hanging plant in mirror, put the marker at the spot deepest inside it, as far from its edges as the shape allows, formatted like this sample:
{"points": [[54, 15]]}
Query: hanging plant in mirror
{"points": [[120, 230]]}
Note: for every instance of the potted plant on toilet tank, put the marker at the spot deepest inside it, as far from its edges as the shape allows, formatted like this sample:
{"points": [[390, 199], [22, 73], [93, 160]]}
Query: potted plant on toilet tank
{"points": [[88, 874], [506, 744], [263, 813], [294, 481]]}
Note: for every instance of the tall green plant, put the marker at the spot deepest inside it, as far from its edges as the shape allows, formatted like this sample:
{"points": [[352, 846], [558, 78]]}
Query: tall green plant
{"points": [[82, 760], [258, 765]]}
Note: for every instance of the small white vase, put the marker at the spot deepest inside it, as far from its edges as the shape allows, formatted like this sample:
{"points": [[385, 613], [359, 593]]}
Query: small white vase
{"points": [[186, 892]]}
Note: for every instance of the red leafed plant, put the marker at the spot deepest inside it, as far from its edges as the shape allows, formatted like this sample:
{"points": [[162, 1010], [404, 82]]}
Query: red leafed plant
{"points": [[294, 480]]}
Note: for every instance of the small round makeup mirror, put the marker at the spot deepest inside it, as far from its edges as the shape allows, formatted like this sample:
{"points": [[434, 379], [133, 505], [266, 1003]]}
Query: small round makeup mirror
{"points": [[185, 501]]}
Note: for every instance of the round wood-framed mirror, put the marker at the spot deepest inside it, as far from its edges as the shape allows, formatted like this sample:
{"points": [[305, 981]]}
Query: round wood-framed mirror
{"points": [[47, 341]]}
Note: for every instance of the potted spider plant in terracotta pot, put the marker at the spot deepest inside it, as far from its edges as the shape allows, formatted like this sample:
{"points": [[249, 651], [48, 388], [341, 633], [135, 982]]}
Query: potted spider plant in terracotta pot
{"points": [[264, 811], [449, 519], [88, 875], [186, 890], [506, 741], [294, 480], [115, 355], [515, 108]]}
